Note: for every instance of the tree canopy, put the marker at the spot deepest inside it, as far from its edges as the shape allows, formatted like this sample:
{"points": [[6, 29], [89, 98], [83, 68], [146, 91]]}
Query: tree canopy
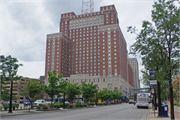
{"points": [[158, 43], [31, 89], [53, 87], [72, 91], [88, 90]]}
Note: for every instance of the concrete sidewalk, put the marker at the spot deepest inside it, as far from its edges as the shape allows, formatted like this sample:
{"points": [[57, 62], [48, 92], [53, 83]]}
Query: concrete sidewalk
{"points": [[152, 116]]}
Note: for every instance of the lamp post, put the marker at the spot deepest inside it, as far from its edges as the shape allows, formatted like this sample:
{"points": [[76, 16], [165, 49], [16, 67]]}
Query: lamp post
{"points": [[97, 88], [64, 95]]}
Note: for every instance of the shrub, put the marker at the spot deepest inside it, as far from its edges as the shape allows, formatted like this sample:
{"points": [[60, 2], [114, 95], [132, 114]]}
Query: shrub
{"points": [[13, 106], [78, 104], [91, 103], [41, 106], [66, 104], [1, 107], [17, 106], [45, 107], [177, 104], [6, 107], [58, 105]]}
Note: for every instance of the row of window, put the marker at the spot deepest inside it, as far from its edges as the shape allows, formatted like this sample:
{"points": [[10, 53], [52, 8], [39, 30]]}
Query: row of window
{"points": [[93, 80]]}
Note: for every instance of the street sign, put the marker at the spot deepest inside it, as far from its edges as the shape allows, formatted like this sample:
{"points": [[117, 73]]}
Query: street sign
{"points": [[153, 82], [152, 90]]}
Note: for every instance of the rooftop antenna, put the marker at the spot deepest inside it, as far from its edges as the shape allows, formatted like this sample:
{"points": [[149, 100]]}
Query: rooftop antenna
{"points": [[87, 6]]}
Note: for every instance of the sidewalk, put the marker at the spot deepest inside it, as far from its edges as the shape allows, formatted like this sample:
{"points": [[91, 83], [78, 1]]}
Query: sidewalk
{"points": [[26, 112], [151, 115]]}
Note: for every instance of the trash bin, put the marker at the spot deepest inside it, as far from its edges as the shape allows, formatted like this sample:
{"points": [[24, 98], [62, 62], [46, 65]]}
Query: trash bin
{"points": [[165, 110]]}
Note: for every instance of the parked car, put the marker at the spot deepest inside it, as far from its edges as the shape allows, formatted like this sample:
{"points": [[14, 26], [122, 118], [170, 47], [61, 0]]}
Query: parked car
{"points": [[131, 101], [8, 102], [67, 102], [26, 102], [38, 102]]}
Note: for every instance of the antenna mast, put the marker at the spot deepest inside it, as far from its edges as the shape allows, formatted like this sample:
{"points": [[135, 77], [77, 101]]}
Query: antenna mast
{"points": [[87, 6]]}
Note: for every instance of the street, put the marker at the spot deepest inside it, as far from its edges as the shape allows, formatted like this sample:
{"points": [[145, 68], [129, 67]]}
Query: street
{"points": [[123, 111]]}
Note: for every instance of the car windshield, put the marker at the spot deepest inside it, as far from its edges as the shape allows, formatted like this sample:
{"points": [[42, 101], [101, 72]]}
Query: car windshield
{"points": [[38, 100]]}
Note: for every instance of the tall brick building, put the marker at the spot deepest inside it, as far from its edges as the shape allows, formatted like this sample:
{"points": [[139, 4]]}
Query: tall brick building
{"points": [[90, 47], [135, 67]]}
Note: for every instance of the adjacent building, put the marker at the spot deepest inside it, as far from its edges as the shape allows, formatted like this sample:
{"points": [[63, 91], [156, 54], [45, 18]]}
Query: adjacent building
{"points": [[18, 88], [90, 47], [134, 64]]}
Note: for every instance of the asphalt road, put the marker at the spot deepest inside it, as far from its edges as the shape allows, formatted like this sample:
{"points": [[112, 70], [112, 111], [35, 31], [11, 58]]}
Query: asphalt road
{"points": [[123, 111]]}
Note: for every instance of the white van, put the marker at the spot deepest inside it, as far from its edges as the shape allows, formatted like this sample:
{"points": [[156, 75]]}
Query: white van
{"points": [[142, 100]]}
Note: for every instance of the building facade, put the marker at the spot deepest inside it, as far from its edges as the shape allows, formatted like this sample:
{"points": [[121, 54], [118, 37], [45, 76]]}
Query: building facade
{"points": [[134, 64], [18, 88], [92, 45]]}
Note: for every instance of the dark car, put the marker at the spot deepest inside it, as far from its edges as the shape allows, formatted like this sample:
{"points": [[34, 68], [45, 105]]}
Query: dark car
{"points": [[131, 101], [8, 102]]}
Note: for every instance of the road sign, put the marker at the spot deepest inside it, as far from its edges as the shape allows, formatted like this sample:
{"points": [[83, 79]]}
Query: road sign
{"points": [[153, 82], [152, 90]]}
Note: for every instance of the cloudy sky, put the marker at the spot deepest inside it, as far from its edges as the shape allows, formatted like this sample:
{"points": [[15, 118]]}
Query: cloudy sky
{"points": [[25, 23]]}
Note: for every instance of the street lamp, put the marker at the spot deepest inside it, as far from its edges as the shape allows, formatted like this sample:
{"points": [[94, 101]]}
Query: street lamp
{"points": [[64, 94], [97, 88]]}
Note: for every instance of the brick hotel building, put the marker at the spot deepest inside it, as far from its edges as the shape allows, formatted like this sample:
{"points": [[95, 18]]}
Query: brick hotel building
{"points": [[90, 47]]}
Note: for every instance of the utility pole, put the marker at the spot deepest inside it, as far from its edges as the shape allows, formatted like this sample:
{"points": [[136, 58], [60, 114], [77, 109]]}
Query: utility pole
{"points": [[170, 84], [159, 100], [155, 105]]}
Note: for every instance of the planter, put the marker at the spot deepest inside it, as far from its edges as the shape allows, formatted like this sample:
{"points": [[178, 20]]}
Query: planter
{"points": [[46, 109]]}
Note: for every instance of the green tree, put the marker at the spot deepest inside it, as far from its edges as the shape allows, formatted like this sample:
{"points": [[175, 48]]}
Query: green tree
{"points": [[53, 88], [158, 42], [5, 95], [103, 94], [88, 90], [117, 95], [9, 67], [72, 91], [31, 89]]}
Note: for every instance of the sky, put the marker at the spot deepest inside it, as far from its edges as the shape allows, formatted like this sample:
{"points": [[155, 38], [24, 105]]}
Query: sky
{"points": [[24, 25]]}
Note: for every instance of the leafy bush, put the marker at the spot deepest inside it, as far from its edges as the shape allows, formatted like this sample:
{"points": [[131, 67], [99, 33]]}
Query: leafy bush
{"points": [[45, 107], [6, 107], [58, 105], [17, 106], [41, 106], [91, 103], [78, 104], [66, 104], [177, 104], [13, 106], [1, 107]]}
